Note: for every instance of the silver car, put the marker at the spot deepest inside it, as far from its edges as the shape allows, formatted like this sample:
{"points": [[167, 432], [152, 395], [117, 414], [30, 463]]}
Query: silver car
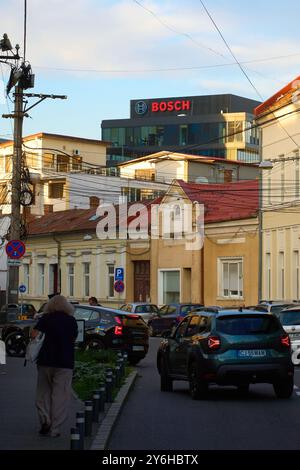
{"points": [[290, 320], [144, 309]]}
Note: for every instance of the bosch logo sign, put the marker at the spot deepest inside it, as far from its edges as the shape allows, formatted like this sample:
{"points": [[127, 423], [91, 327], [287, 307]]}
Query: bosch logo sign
{"points": [[141, 107], [168, 106]]}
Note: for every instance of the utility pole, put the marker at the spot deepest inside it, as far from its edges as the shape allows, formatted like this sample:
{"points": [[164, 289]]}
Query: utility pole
{"points": [[15, 224], [21, 78]]}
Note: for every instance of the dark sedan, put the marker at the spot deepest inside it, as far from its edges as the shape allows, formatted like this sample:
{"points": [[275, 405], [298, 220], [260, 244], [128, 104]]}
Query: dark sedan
{"points": [[169, 316]]}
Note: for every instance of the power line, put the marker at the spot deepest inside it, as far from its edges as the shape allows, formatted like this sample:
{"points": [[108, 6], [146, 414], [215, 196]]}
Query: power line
{"points": [[240, 66], [25, 28], [171, 69]]}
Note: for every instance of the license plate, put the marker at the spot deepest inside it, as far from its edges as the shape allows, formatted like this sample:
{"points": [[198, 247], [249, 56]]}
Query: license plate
{"points": [[137, 348], [252, 353]]}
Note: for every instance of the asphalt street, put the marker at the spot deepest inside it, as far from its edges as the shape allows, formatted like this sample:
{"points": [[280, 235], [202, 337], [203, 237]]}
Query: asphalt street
{"points": [[152, 420]]}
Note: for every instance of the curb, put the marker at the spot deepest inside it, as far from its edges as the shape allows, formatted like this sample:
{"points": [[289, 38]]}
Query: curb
{"points": [[105, 429]]}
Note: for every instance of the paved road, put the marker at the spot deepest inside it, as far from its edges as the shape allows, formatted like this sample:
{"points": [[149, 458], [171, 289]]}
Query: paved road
{"points": [[152, 420], [18, 417]]}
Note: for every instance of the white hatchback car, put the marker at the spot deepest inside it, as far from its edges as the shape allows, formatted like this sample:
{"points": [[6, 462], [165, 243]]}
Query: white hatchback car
{"points": [[290, 320]]}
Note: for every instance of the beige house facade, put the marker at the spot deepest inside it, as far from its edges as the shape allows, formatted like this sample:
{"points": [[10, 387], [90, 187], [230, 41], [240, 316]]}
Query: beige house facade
{"points": [[279, 121]]}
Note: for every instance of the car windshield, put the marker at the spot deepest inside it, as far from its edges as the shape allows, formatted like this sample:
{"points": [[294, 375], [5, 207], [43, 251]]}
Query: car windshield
{"points": [[188, 308], [146, 309], [277, 308], [82, 314], [247, 325], [290, 318]]}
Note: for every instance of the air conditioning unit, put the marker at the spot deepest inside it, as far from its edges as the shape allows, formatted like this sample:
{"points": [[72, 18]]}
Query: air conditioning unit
{"points": [[76, 152]]}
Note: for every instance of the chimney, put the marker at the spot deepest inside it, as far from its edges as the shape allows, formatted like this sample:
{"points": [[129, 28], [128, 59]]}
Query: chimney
{"points": [[48, 209]]}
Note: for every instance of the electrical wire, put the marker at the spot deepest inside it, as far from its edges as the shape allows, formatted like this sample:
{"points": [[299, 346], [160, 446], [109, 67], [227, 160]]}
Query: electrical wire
{"points": [[25, 29], [240, 66], [173, 69]]}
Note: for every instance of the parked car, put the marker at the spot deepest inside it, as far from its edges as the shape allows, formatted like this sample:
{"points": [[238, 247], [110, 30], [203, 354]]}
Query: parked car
{"points": [[11, 312], [169, 316], [145, 310], [107, 328], [290, 320], [227, 348], [272, 306], [41, 309]]}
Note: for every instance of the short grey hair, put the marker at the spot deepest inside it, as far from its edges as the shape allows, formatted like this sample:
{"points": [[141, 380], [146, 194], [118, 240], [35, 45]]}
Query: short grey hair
{"points": [[59, 303]]}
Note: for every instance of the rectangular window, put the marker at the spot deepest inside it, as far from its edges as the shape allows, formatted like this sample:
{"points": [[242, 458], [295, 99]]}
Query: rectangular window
{"points": [[170, 286], [4, 194], [231, 278], [145, 174], [111, 280], [295, 275], [41, 279], [56, 190], [281, 286], [71, 276], [63, 163], [86, 279], [77, 163], [48, 160], [26, 271], [268, 276]]}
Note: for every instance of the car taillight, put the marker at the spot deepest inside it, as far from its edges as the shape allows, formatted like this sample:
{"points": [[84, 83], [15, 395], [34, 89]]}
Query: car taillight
{"points": [[214, 343], [118, 330], [133, 316], [118, 320], [285, 341]]}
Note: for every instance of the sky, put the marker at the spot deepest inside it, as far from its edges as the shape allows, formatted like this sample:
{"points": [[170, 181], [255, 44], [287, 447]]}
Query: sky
{"points": [[103, 53]]}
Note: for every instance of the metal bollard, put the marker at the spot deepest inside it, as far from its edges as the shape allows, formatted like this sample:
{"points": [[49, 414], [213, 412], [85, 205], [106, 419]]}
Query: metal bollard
{"points": [[118, 375], [102, 398], [108, 381], [75, 439], [96, 405], [80, 423], [88, 418]]}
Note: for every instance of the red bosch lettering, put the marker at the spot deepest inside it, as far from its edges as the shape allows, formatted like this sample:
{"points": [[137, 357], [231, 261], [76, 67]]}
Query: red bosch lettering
{"points": [[169, 106]]}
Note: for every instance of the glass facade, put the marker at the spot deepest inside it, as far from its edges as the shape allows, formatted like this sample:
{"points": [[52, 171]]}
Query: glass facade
{"points": [[171, 134]]}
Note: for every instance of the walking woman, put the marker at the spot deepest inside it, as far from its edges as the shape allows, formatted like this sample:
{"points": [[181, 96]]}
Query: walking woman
{"points": [[55, 364]]}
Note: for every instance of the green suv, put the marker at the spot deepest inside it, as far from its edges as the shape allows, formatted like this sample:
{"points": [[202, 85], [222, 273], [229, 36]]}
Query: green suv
{"points": [[227, 347]]}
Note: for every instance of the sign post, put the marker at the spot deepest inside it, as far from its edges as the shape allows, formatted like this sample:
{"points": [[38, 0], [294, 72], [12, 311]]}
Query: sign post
{"points": [[15, 250]]}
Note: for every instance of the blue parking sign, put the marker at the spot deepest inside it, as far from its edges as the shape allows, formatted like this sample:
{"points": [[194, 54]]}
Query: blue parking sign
{"points": [[22, 289], [119, 274]]}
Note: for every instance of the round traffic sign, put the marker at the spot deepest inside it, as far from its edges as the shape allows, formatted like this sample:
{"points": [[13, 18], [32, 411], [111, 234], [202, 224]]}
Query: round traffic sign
{"points": [[119, 286], [15, 249], [22, 288]]}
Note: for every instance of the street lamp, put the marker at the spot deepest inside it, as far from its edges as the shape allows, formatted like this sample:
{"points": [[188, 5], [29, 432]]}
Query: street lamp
{"points": [[265, 165]]}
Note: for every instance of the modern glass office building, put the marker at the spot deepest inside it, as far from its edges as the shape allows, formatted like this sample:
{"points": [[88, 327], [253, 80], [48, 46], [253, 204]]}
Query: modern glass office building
{"points": [[214, 125]]}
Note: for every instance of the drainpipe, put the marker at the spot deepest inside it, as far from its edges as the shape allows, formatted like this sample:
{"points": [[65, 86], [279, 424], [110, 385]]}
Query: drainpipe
{"points": [[58, 242]]}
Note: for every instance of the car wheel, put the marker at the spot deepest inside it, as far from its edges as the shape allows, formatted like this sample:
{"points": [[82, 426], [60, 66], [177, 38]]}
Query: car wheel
{"points": [[166, 383], [243, 389], [15, 345], [95, 344], [198, 388], [284, 388]]}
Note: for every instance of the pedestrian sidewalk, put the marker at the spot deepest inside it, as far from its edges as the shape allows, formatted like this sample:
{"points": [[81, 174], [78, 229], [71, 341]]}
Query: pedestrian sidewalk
{"points": [[19, 424]]}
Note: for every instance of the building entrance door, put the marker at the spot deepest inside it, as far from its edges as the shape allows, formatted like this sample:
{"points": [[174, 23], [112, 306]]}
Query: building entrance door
{"points": [[141, 281]]}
